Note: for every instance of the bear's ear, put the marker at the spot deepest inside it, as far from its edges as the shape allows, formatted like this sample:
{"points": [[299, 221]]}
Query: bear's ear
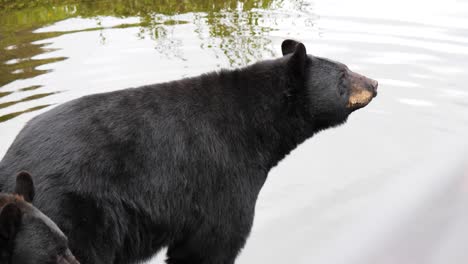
{"points": [[288, 46], [298, 60], [25, 186], [10, 220]]}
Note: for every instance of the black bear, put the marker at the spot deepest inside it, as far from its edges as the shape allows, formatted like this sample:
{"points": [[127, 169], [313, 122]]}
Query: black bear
{"points": [[27, 236], [178, 164]]}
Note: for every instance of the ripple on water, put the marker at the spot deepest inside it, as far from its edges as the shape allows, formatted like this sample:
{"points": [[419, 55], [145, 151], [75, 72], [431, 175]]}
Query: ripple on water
{"points": [[416, 102]]}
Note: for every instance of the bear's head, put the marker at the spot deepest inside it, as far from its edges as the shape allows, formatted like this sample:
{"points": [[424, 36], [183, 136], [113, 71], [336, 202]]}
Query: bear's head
{"points": [[27, 236], [333, 91]]}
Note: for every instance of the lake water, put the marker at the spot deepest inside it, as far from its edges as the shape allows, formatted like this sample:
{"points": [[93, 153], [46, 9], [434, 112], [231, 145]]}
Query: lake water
{"points": [[387, 187]]}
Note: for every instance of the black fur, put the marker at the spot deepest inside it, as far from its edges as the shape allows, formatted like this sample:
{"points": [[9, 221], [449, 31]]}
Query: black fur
{"points": [[177, 164], [25, 186], [27, 236]]}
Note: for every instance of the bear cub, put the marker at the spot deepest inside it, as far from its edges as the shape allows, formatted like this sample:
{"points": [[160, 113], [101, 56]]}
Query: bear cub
{"points": [[27, 236]]}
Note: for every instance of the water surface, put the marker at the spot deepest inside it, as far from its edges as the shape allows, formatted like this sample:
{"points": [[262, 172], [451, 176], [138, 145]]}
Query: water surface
{"points": [[55, 51]]}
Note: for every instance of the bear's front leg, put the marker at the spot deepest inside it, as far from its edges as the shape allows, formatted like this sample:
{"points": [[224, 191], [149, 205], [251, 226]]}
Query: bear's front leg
{"points": [[218, 240]]}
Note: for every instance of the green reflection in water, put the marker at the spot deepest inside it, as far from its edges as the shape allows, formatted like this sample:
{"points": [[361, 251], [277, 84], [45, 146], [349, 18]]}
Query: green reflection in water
{"points": [[30, 88], [231, 28], [29, 98], [232, 23], [6, 117], [5, 94]]}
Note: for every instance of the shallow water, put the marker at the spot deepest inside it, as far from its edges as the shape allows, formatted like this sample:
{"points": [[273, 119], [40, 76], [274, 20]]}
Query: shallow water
{"points": [[54, 51]]}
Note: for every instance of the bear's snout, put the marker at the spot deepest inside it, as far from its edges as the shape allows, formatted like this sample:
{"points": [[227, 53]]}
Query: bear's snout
{"points": [[67, 258], [362, 90], [374, 84]]}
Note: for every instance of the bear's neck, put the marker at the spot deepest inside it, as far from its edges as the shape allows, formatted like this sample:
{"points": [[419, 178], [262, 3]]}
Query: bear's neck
{"points": [[273, 109]]}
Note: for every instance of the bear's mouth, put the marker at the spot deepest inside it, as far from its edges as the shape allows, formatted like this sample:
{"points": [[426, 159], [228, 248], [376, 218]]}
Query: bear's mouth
{"points": [[362, 91], [360, 98]]}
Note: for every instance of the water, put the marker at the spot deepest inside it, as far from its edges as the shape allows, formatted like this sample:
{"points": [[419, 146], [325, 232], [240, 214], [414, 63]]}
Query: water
{"points": [[342, 191]]}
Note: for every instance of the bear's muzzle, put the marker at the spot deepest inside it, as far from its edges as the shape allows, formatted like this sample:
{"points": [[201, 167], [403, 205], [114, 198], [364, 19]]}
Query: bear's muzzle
{"points": [[363, 89]]}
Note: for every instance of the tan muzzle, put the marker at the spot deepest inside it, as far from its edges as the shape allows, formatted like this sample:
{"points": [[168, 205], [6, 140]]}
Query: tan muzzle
{"points": [[363, 89]]}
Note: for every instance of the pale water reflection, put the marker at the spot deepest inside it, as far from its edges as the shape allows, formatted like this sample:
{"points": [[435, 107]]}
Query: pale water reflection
{"points": [[54, 51]]}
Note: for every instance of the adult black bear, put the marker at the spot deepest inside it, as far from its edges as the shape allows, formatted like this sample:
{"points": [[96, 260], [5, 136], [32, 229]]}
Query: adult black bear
{"points": [[178, 164], [27, 236]]}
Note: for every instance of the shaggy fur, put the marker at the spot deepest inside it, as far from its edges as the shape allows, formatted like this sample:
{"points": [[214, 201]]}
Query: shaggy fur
{"points": [[177, 164]]}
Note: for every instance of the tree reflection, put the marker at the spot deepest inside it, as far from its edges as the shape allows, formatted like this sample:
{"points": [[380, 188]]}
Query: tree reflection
{"points": [[234, 30], [230, 28]]}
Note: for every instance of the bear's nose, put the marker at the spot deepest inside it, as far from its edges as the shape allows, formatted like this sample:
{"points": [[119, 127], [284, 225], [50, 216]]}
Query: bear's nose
{"points": [[374, 84]]}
